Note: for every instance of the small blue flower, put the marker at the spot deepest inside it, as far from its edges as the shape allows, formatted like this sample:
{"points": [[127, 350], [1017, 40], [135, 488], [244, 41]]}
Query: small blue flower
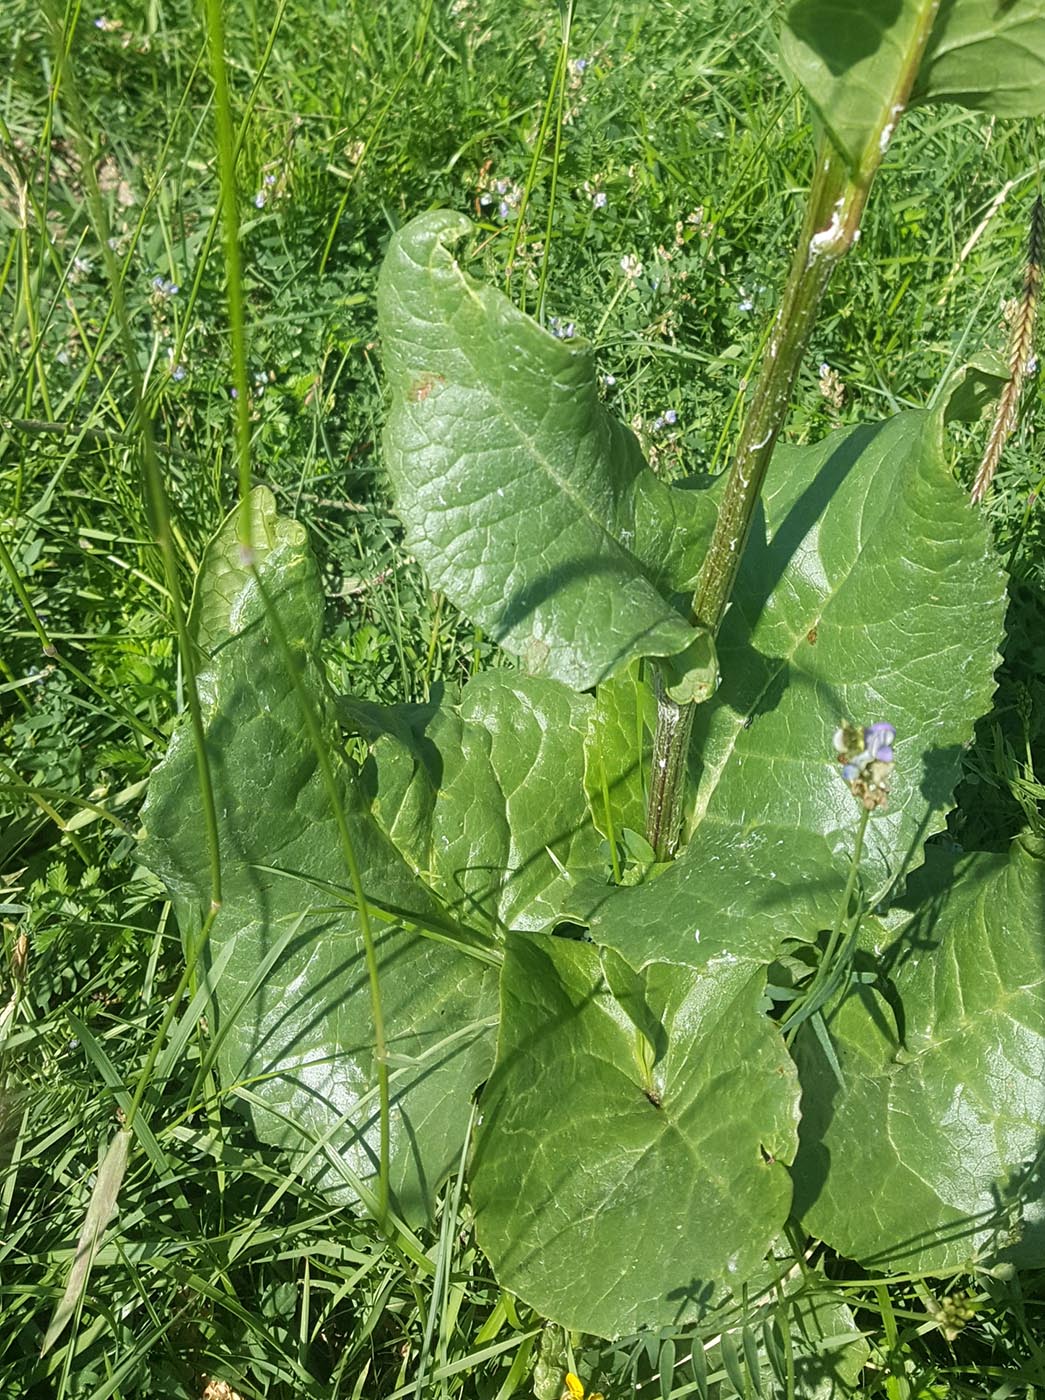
{"points": [[671, 416], [866, 756], [878, 741], [259, 200], [165, 288], [598, 199], [561, 330]]}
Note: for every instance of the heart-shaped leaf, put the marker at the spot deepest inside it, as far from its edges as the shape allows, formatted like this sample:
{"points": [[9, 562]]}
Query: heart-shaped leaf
{"points": [[528, 504], [628, 1164]]}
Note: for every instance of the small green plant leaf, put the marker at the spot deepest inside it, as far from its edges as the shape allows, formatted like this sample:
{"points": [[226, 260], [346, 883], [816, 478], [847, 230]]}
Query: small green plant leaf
{"points": [[528, 504], [870, 582], [986, 54], [935, 1144], [693, 676], [294, 1016], [486, 798], [852, 58], [610, 1202]]}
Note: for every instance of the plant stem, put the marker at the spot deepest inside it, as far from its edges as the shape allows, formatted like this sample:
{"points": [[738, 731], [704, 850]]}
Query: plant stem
{"points": [[831, 972], [667, 772], [229, 195], [832, 219], [834, 208]]}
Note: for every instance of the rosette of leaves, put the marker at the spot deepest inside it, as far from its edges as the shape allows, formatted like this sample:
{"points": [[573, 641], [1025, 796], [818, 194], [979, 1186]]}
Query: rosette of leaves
{"points": [[639, 1112], [640, 1091]]}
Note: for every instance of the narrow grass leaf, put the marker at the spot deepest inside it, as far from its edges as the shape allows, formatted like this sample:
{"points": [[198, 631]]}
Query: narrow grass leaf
{"points": [[100, 1211]]}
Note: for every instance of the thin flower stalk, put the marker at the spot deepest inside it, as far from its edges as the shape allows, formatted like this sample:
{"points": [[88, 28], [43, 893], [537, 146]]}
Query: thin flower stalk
{"points": [[1020, 351]]}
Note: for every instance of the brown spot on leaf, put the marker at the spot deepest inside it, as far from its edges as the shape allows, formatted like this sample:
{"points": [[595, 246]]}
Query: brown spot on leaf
{"points": [[423, 386]]}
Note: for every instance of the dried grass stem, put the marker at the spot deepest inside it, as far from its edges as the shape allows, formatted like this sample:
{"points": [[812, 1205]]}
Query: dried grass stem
{"points": [[1019, 355]]}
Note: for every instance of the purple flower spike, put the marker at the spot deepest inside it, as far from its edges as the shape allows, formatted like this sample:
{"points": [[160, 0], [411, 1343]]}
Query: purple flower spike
{"points": [[866, 769]]}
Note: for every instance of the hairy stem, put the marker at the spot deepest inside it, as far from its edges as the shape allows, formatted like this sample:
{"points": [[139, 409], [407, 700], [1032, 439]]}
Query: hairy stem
{"points": [[667, 773], [832, 219], [834, 208]]}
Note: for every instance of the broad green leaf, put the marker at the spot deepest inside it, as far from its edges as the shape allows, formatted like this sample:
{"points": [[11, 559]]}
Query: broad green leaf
{"points": [[616, 753], [612, 1193], [485, 798], [293, 1003], [852, 58], [873, 592], [528, 504], [987, 54], [732, 897], [930, 1156]]}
